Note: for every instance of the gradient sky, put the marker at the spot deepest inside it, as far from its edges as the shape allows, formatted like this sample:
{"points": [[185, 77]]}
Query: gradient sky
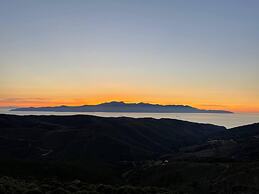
{"points": [[200, 53]]}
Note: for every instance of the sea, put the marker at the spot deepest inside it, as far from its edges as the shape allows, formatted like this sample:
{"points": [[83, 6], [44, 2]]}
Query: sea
{"points": [[226, 120]]}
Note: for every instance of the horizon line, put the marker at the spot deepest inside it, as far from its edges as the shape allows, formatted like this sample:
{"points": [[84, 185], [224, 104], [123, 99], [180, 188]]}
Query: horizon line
{"points": [[24, 104]]}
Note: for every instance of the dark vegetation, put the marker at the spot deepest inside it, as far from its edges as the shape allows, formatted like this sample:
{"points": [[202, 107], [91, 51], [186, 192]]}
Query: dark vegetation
{"points": [[88, 154], [10, 185]]}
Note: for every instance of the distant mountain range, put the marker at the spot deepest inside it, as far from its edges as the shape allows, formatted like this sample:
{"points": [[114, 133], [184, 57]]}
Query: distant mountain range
{"points": [[124, 107]]}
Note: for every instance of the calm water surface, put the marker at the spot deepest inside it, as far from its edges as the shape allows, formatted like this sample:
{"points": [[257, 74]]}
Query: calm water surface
{"points": [[227, 120]]}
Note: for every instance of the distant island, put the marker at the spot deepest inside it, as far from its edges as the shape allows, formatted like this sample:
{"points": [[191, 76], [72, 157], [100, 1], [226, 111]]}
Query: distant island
{"points": [[123, 107]]}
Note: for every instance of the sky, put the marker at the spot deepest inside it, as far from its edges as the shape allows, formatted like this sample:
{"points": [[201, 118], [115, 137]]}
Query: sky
{"points": [[203, 53]]}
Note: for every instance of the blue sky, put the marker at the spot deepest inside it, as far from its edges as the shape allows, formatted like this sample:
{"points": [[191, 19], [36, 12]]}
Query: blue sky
{"points": [[188, 52]]}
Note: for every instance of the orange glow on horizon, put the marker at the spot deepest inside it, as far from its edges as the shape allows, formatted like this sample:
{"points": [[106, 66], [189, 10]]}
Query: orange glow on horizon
{"points": [[38, 102]]}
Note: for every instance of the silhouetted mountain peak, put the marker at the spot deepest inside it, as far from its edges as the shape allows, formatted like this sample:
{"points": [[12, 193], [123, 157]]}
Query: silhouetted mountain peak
{"points": [[113, 103]]}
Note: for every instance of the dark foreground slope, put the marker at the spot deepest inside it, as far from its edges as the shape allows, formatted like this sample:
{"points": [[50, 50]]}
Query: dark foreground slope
{"points": [[88, 154], [227, 165], [83, 137]]}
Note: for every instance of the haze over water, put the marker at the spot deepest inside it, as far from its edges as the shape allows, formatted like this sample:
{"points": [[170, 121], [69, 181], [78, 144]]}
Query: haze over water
{"points": [[227, 120]]}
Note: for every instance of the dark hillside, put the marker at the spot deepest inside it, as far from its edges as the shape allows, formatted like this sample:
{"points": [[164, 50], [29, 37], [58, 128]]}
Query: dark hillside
{"points": [[89, 154], [88, 137], [246, 131]]}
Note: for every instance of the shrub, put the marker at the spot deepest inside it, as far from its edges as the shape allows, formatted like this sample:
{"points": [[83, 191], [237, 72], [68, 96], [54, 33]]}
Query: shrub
{"points": [[59, 191], [33, 191]]}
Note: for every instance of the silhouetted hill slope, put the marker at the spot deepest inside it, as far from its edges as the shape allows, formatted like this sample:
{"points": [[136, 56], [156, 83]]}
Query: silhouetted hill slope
{"points": [[239, 144], [246, 131], [123, 107], [178, 156], [82, 137], [228, 165]]}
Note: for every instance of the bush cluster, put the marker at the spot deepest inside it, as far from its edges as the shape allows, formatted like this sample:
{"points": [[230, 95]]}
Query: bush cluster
{"points": [[10, 185]]}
